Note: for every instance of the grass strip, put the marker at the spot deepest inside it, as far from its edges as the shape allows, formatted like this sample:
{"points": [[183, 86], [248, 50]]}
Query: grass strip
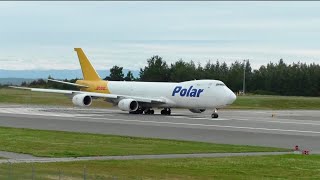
{"points": [[276, 102], [254, 167], [70, 144]]}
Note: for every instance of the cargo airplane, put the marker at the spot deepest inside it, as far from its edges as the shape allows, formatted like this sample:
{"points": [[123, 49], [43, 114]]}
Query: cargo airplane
{"points": [[142, 97]]}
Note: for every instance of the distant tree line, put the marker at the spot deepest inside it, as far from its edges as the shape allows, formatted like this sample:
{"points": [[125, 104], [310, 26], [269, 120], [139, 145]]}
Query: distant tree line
{"points": [[3, 85], [298, 79]]}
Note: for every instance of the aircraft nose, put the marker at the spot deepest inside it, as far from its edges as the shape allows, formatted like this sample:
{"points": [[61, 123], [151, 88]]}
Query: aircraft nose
{"points": [[232, 97]]}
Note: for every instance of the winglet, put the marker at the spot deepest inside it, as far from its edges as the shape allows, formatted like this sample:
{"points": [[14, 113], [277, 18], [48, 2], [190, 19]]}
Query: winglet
{"points": [[89, 73]]}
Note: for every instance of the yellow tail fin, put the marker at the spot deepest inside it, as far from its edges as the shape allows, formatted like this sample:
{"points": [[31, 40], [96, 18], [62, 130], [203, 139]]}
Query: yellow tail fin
{"points": [[89, 73]]}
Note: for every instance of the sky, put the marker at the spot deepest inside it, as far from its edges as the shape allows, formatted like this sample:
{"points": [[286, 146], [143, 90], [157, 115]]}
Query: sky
{"points": [[42, 35]]}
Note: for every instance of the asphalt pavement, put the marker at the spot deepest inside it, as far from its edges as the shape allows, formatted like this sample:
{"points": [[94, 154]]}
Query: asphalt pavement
{"points": [[245, 127]]}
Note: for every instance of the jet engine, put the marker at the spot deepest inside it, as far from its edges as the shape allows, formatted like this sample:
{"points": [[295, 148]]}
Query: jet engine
{"points": [[128, 105], [82, 100], [197, 110]]}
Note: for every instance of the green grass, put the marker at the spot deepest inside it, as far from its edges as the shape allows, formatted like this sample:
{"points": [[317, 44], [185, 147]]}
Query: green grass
{"points": [[259, 167], [18, 96], [69, 144], [276, 102], [243, 102]]}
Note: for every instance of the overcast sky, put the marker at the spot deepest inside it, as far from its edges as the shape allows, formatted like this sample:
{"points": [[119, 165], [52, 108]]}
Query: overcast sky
{"points": [[42, 35]]}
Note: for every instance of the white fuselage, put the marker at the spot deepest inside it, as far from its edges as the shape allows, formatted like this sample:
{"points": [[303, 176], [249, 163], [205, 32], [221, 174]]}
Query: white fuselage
{"points": [[200, 94]]}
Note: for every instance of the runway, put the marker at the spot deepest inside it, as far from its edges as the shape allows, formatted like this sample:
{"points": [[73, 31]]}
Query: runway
{"points": [[250, 127]]}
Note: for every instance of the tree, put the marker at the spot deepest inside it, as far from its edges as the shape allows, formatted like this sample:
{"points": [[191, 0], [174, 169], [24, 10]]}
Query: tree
{"points": [[156, 70], [116, 74], [182, 71], [248, 76], [235, 76], [24, 84], [129, 76]]}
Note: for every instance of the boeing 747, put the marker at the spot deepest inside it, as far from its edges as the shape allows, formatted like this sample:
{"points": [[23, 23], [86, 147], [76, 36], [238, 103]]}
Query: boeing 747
{"points": [[143, 97]]}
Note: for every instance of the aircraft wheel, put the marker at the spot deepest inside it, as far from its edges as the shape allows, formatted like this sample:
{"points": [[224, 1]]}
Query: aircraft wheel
{"points": [[166, 111], [138, 111], [149, 111], [214, 115]]}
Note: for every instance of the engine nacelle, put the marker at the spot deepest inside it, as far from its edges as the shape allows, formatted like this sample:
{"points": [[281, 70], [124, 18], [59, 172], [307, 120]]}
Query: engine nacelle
{"points": [[197, 110], [128, 105], [82, 100]]}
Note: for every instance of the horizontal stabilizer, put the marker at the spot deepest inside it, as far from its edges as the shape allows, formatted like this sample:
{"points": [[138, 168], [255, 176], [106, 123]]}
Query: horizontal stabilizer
{"points": [[44, 90], [69, 83], [19, 87]]}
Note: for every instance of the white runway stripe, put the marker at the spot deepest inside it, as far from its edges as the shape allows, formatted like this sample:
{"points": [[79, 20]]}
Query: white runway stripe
{"points": [[38, 112], [28, 111], [209, 125], [284, 121]]}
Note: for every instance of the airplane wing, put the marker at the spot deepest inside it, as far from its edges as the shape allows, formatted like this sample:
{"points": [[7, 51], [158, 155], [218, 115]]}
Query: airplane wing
{"points": [[93, 94]]}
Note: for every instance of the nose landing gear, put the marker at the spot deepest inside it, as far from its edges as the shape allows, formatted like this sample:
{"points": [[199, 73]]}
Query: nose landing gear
{"points": [[166, 111], [214, 114]]}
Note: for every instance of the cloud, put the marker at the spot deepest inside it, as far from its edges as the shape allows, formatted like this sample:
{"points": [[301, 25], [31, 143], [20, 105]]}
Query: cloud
{"points": [[133, 55], [42, 35]]}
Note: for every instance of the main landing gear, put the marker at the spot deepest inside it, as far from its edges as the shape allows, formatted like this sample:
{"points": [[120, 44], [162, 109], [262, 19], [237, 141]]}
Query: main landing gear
{"points": [[166, 111], [142, 110], [149, 111], [214, 114], [138, 111]]}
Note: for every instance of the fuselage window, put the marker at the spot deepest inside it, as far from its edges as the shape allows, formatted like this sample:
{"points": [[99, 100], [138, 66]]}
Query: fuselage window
{"points": [[219, 84]]}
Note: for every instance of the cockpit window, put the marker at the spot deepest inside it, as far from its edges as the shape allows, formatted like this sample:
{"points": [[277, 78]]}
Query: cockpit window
{"points": [[220, 84]]}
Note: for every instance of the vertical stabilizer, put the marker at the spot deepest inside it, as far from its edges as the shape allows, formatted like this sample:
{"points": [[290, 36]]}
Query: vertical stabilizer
{"points": [[89, 73]]}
